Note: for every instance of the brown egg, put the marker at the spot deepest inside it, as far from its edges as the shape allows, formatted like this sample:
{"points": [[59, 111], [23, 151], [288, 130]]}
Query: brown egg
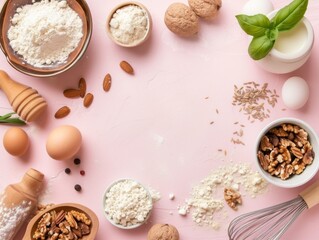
{"points": [[63, 142], [16, 141]]}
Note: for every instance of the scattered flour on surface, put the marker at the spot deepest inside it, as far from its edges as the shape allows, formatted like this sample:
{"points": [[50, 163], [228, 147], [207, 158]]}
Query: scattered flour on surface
{"points": [[11, 218], [206, 200], [45, 32]]}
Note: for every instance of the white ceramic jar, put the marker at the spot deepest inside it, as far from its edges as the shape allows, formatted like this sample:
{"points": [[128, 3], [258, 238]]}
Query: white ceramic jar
{"points": [[291, 50]]}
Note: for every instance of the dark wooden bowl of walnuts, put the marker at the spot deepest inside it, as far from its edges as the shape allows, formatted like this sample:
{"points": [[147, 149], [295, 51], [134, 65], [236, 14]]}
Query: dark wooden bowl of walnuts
{"points": [[63, 221]]}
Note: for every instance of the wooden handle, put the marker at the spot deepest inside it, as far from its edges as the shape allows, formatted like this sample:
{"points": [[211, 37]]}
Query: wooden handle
{"points": [[311, 194], [10, 87]]}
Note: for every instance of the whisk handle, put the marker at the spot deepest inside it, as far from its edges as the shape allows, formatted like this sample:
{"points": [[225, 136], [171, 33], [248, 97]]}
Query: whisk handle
{"points": [[311, 194]]}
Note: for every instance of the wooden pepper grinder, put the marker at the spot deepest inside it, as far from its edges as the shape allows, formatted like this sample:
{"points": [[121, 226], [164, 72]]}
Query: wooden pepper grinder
{"points": [[18, 201], [25, 101]]}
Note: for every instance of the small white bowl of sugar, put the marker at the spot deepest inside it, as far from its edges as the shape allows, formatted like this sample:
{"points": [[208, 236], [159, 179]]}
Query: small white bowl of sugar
{"points": [[129, 24]]}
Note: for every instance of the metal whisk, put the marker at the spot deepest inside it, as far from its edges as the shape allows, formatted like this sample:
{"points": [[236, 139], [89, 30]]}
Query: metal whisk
{"points": [[272, 222]]}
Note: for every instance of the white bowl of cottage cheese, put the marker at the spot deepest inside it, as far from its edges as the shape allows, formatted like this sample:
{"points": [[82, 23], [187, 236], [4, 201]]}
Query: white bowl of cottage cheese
{"points": [[127, 204]]}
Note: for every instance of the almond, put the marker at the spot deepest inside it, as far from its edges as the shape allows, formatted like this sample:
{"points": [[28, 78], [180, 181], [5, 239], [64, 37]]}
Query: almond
{"points": [[126, 67], [72, 93], [88, 99], [82, 87], [107, 82], [62, 112]]}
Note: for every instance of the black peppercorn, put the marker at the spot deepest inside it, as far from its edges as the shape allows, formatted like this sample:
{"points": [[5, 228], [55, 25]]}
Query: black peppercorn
{"points": [[67, 170], [77, 161], [78, 187]]}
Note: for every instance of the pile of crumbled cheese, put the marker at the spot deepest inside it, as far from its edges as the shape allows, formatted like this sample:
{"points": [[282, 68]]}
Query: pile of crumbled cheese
{"points": [[127, 203], [206, 199]]}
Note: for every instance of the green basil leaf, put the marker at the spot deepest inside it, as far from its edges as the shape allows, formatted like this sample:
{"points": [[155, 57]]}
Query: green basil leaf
{"points": [[287, 17], [259, 47], [272, 34], [255, 25]]}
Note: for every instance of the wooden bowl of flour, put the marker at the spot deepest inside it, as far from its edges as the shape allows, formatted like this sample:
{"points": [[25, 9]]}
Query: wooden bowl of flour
{"points": [[48, 69], [129, 24]]}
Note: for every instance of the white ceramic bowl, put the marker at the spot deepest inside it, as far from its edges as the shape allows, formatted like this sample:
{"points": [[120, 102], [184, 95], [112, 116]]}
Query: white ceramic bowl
{"points": [[279, 62], [309, 172], [108, 216]]}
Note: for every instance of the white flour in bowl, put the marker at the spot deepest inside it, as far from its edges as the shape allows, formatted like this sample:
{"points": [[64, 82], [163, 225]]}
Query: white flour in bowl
{"points": [[45, 32], [129, 24]]}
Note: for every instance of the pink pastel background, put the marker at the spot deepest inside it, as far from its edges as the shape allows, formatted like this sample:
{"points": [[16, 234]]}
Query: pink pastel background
{"points": [[155, 126]]}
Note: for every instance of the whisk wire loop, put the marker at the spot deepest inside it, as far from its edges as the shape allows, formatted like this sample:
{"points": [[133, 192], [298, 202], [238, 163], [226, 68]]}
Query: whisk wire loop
{"points": [[269, 223]]}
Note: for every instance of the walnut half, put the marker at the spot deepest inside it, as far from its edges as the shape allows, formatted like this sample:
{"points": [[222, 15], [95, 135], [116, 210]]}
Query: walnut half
{"points": [[232, 198]]}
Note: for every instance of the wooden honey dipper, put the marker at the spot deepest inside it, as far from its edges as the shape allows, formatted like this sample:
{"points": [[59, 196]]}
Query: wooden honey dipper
{"points": [[25, 101]]}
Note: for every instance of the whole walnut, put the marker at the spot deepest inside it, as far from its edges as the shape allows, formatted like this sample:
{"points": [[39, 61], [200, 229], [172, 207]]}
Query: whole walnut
{"points": [[181, 19], [205, 8], [163, 232]]}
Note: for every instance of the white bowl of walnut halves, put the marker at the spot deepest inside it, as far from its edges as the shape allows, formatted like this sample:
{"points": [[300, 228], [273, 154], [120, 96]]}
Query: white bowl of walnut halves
{"points": [[287, 152], [63, 221]]}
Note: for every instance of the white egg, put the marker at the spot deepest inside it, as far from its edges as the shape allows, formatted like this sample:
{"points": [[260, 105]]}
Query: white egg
{"points": [[253, 7], [295, 92]]}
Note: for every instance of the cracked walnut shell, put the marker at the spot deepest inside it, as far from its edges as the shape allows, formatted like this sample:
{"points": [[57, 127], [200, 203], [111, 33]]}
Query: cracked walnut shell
{"points": [[205, 8], [181, 20], [232, 198]]}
